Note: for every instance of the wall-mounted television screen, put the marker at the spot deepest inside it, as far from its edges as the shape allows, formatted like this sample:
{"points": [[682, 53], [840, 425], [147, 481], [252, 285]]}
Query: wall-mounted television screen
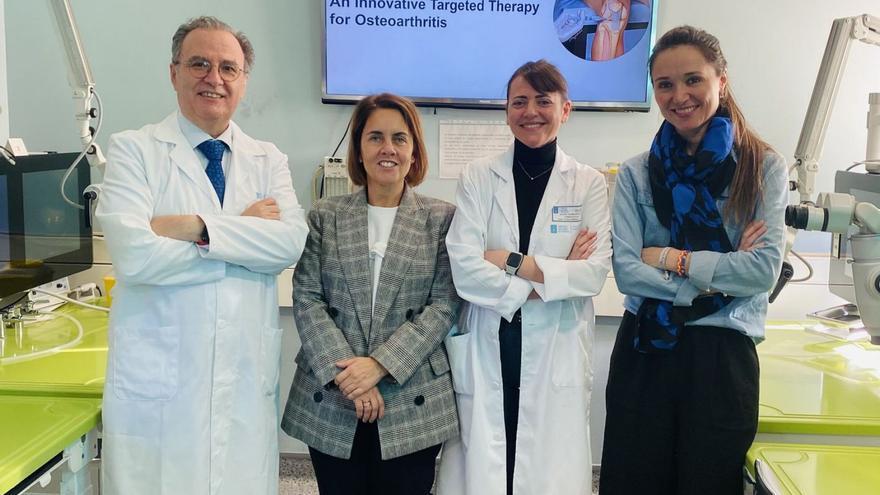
{"points": [[461, 53]]}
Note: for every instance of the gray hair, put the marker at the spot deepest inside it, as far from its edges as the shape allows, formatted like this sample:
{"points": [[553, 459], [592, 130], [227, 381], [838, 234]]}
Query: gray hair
{"points": [[210, 22]]}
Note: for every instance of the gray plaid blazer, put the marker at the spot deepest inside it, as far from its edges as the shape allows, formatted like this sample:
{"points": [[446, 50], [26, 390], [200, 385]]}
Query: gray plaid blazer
{"points": [[416, 305]]}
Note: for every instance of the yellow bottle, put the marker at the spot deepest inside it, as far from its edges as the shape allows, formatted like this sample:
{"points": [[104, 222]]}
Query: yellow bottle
{"points": [[109, 282]]}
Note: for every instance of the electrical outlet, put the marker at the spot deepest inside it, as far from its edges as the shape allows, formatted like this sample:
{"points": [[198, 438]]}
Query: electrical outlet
{"points": [[335, 167], [45, 302], [85, 292], [60, 286], [336, 180]]}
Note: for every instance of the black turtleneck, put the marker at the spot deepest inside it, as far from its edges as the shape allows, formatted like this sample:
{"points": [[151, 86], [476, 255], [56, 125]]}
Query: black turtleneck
{"points": [[531, 172]]}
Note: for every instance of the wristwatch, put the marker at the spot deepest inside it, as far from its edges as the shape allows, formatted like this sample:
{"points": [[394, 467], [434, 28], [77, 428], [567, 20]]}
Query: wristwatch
{"points": [[204, 239], [514, 260]]}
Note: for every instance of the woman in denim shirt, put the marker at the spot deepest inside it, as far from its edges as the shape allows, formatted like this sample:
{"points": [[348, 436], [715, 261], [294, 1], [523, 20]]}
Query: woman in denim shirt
{"points": [[698, 241]]}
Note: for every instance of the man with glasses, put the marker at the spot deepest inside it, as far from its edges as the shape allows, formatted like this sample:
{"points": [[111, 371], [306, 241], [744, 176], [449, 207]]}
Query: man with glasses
{"points": [[199, 220]]}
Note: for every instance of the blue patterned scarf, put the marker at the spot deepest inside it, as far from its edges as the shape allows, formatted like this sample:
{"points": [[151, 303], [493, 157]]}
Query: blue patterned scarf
{"points": [[684, 189]]}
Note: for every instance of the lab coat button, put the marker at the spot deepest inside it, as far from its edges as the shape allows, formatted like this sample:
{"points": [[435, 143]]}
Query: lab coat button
{"points": [[328, 386], [318, 396], [333, 312], [420, 399]]}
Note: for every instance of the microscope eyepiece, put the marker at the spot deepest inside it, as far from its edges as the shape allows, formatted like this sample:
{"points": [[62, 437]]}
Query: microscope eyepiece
{"points": [[805, 217]]}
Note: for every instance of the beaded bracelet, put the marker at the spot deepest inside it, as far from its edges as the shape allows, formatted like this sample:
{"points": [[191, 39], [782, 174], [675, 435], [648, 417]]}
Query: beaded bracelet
{"points": [[663, 254], [681, 265]]}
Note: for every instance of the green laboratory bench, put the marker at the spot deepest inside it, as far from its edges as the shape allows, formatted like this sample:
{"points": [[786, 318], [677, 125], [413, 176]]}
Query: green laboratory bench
{"points": [[76, 371], [815, 388], [792, 469], [38, 430], [51, 383]]}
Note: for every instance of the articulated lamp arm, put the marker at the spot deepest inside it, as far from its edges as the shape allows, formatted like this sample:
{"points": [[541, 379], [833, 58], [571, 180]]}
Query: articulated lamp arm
{"points": [[80, 79], [864, 28]]}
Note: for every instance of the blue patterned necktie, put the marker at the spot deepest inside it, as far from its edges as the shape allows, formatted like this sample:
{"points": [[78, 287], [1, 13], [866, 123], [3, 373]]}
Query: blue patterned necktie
{"points": [[213, 150]]}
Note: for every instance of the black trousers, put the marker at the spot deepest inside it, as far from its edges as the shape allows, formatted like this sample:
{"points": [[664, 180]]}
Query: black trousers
{"points": [[367, 474], [679, 422], [510, 344]]}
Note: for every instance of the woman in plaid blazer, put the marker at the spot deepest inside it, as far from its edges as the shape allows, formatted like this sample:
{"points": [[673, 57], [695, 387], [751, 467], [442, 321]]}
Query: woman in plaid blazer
{"points": [[373, 299]]}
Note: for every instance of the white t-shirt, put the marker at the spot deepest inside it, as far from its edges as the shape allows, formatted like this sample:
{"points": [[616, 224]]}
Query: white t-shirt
{"points": [[379, 223]]}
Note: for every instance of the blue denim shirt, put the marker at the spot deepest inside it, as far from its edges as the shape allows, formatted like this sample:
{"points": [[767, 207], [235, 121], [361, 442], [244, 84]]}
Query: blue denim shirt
{"points": [[748, 276]]}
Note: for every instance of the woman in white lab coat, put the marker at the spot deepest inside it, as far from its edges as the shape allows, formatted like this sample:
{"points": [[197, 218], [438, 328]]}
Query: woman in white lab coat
{"points": [[529, 246]]}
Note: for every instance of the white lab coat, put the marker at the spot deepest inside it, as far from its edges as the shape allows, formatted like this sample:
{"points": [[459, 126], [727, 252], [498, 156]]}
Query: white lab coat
{"points": [[191, 394], [553, 439]]}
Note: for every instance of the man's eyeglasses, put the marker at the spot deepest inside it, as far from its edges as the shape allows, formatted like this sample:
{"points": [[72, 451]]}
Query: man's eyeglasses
{"points": [[200, 68]]}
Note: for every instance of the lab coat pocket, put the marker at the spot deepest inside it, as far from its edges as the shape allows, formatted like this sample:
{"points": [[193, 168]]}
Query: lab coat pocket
{"points": [[145, 362], [270, 359], [459, 350], [571, 356]]}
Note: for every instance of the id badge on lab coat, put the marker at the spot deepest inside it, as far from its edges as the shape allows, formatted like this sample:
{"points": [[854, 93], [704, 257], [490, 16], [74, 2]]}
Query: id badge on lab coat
{"points": [[566, 219], [572, 213]]}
